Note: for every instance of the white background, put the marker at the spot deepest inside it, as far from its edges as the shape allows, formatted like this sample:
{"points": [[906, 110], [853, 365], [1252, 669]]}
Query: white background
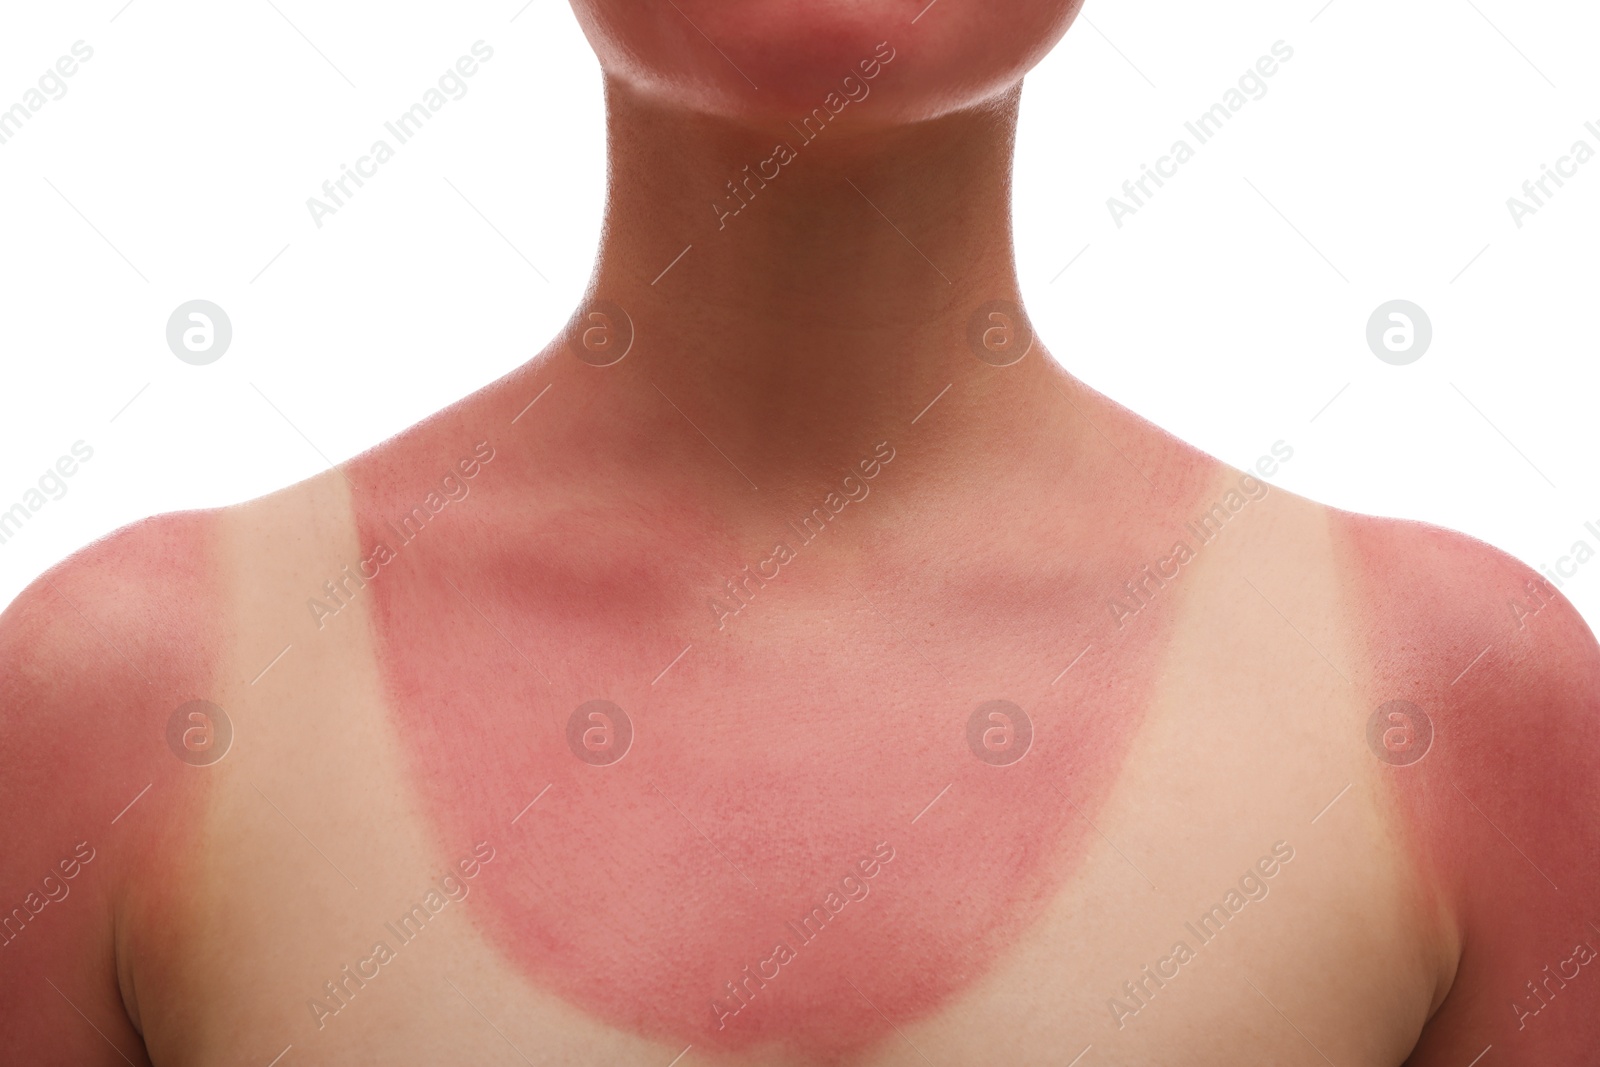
{"points": [[1230, 310]]}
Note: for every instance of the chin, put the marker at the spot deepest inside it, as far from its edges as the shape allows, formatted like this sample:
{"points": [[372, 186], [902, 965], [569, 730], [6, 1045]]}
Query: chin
{"points": [[758, 62]]}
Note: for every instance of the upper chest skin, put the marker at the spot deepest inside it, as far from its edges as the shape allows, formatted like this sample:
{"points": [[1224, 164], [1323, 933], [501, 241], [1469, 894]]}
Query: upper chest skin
{"points": [[810, 758]]}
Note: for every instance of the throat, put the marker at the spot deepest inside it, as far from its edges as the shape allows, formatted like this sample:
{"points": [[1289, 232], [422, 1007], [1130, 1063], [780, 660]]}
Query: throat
{"points": [[805, 285]]}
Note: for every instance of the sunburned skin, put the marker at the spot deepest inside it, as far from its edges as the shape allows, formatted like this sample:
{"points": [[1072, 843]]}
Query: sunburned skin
{"points": [[750, 791], [816, 745], [1501, 808], [97, 656], [669, 893]]}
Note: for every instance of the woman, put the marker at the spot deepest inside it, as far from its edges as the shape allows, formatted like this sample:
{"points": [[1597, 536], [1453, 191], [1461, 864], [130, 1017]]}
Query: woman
{"points": [[793, 664]]}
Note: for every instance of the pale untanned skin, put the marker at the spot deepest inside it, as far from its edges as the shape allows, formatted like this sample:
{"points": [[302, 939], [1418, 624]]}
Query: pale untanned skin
{"points": [[596, 914]]}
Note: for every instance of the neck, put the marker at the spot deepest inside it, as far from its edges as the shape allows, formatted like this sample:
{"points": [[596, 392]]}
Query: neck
{"points": [[818, 304]]}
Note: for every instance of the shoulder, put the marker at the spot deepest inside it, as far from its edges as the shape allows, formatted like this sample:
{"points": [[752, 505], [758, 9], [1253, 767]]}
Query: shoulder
{"points": [[1446, 613], [124, 614], [94, 658], [1483, 683], [1501, 669]]}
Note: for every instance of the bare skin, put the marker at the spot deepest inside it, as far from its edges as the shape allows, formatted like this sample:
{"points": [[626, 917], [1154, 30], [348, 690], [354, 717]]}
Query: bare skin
{"points": [[1199, 766]]}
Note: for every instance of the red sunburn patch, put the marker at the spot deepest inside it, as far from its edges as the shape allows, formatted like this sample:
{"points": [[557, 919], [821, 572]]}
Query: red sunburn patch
{"points": [[95, 658], [1503, 807], [800, 846]]}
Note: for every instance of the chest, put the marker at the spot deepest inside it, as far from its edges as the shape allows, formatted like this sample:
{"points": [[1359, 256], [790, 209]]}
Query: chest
{"points": [[863, 802], [753, 836], [813, 846]]}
